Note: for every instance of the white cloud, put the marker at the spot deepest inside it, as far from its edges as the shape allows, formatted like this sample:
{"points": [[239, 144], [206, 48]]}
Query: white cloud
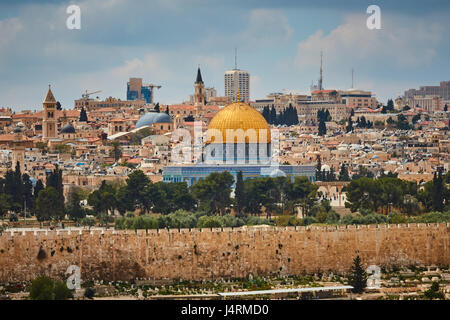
{"points": [[150, 66], [266, 27], [404, 42], [9, 28]]}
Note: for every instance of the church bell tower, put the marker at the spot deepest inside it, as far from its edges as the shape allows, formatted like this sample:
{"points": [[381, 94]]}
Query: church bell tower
{"points": [[199, 92], [49, 123]]}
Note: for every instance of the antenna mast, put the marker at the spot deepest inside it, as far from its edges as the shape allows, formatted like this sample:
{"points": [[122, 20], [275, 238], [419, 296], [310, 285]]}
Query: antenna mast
{"points": [[235, 58], [321, 72], [352, 79]]}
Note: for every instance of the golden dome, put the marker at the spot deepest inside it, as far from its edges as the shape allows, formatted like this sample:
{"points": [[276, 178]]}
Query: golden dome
{"points": [[239, 115]]}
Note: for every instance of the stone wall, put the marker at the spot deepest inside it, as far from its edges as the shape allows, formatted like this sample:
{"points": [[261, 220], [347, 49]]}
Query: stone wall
{"points": [[216, 253]]}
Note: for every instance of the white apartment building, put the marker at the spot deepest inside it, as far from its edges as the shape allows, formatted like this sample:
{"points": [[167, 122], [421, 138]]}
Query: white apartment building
{"points": [[431, 103], [237, 79]]}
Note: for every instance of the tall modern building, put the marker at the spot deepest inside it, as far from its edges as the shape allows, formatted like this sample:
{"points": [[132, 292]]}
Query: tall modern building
{"points": [[237, 80], [137, 91], [443, 90]]}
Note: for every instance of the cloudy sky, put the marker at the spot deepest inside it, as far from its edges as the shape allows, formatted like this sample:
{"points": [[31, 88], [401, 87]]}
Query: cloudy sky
{"points": [[163, 41]]}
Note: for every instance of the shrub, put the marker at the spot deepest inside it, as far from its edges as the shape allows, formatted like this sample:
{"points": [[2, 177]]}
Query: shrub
{"points": [[87, 222], [284, 221], [44, 288], [231, 221], [332, 217], [432, 217], [321, 216], [61, 291], [434, 292], [254, 221], [365, 212], [374, 219], [347, 219], [309, 220], [89, 293], [209, 222], [397, 218]]}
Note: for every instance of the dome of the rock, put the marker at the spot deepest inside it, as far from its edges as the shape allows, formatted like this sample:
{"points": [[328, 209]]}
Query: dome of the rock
{"points": [[239, 115]]}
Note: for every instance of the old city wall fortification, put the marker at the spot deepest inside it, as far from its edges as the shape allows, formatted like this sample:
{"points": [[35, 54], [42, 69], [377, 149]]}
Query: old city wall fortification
{"points": [[217, 253]]}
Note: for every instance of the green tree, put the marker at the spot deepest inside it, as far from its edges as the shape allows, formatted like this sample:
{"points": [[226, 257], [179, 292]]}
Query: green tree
{"points": [[434, 292], [239, 193], [358, 276], [27, 193], [322, 128], [213, 192], [73, 208], [13, 187], [319, 176], [303, 193], [37, 188], [343, 174], [137, 183], [349, 127], [390, 105], [47, 205], [103, 200], [124, 202], [5, 204], [438, 192], [55, 180], [83, 115]]}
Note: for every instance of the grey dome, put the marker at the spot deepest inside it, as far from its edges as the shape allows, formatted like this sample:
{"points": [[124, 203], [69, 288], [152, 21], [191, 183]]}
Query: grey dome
{"points": [[68, 128], [153, 117]]}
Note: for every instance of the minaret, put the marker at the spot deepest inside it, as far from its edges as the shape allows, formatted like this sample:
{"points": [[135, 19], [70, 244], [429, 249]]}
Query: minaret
{"points": [[49, 119], [199, 92]]}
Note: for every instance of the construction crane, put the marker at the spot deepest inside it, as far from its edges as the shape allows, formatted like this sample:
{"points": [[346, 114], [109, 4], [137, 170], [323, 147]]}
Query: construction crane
{"points": [[85, 96], [152, 86]]}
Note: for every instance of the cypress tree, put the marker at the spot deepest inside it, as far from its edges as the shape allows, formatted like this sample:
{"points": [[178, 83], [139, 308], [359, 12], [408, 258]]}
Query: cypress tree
{"points": [[327, 115], [343, 175], [27, 192], [438, 192], [295, 116], [358, 276], [266, 114], [349, 127], [319, 176], [83, 115], [273, 116], [37, 188], [239, 193], [55, 180], [322, 128]]}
